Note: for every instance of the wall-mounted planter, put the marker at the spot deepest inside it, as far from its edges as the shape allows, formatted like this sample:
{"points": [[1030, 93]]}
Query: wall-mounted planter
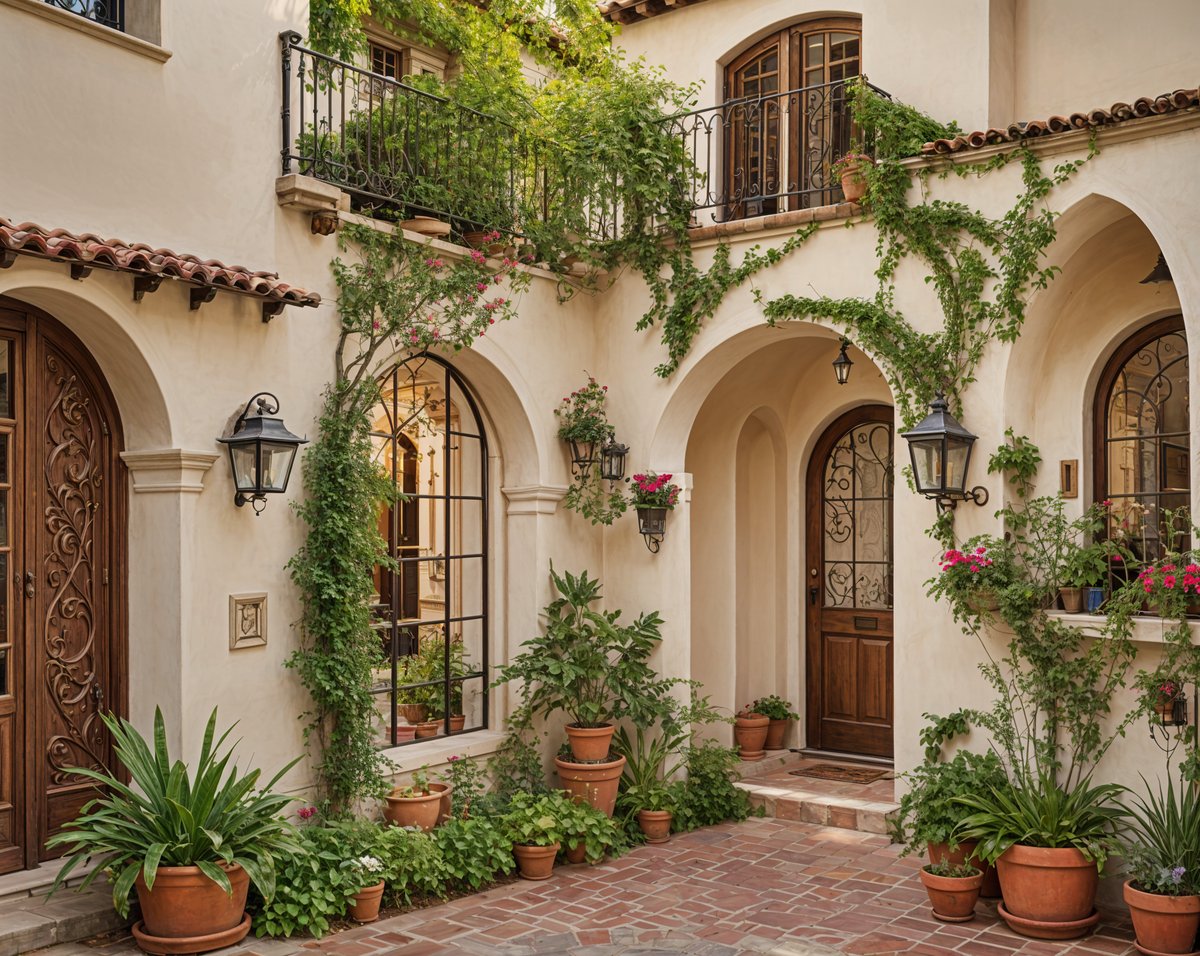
{"points": [[652, 524]]}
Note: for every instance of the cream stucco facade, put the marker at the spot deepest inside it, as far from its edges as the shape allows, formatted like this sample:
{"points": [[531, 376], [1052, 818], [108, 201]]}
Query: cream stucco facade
{"points": [[176, 144]]}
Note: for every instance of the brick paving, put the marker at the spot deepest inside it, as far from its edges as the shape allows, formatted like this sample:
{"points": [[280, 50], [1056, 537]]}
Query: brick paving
{"points": [[763, 887]]}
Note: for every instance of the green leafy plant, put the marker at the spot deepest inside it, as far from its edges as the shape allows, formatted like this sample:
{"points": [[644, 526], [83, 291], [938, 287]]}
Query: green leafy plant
{"points": [[537, 819], [953, 871], [583, 421], [775, 707], [473, 852], [710, 795], [168, 816], [581, 823], [419, 786], [929, 812], [466, 779], [313, 887], [1018, 459], [1162, 845]]}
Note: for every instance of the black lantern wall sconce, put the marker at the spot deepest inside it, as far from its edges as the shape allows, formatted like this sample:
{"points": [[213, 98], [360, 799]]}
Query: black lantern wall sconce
{"points": [[841, 364], [261, 452], [940, 448], [612, 460]]}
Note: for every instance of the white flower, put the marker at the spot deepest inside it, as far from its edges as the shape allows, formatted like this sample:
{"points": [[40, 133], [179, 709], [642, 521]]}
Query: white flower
{"points": [[368, 864]]}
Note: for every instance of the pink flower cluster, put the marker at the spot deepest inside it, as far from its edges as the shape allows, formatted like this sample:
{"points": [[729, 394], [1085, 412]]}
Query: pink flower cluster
{"points": [[306, 813], [655, 490], [976, 561], [1169, 577]]}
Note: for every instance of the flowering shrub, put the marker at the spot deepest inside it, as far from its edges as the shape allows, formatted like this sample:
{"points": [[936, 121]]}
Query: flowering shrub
{"points": [[652, 490], [582, 416], [1166, 692], [365, 870], [983, 568], [583, 421]]}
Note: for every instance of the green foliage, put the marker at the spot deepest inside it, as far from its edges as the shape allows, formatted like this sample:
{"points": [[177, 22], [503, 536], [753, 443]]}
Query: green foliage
{"points": [[1018, 458], [166, 816], [536, 819], [938, 730], [710, 796], [473, 852], [466, 778], [1162, 846], [775, 707], [583, 823], [583, 419], [516, 767], [929, 811], [954, 871]]}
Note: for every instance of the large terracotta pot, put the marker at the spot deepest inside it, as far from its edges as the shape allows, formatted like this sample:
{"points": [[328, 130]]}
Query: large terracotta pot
{"points": [[426, 226], [535, 862], [590, 743], [953, 898], [854, 183], [1164, 924], [750, 732], [429, 728], [364, 907], [776, 732], [1049, 893], [965, 853], [186, 912], [655, 824], [414, 713], [425, 810], [594, 783]]}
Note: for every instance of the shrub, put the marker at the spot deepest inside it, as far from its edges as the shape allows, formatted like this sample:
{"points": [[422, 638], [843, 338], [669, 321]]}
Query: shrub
{"points": [[709, 796]]}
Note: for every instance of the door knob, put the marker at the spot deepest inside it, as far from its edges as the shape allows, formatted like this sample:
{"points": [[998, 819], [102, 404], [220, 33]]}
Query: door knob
{"points": [[29, 590]]}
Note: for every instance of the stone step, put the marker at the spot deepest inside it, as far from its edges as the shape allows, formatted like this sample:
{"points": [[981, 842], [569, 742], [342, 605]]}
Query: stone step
{"points": [[31, 922], [808, 803]]}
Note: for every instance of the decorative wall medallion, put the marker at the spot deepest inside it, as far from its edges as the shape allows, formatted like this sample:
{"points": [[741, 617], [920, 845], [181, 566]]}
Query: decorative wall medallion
{"points": [[247, 621]]}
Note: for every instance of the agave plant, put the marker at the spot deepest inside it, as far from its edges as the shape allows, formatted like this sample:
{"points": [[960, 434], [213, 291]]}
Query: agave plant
{"points": [[166, 817]]}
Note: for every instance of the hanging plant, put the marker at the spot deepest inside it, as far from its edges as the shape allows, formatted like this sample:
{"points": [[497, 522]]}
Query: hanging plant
{"points": [[583, 425]]}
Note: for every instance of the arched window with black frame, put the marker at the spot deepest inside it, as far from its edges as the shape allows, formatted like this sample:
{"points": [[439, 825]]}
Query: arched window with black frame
{"points": [[431, 605]]}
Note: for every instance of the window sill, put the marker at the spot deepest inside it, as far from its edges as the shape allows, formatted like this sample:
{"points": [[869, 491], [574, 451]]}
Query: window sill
{"points": [[775, 222], [1146, 630], [74, 21], [438, 750]]}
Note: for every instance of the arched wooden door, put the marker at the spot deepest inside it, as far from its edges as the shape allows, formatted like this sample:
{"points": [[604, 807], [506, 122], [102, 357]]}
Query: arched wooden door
{"points": [[62, 595], [848, 585]]}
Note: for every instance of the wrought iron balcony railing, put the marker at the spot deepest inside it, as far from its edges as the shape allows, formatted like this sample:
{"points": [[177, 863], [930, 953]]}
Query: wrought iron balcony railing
{"points": [[766, 154], [109, 13]]}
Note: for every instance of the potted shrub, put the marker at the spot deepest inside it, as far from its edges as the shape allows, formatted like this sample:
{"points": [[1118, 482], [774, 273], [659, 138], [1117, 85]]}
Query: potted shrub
{"points": [[420, 804], [750, 731], [655, 806], [583, 424], [653, 495], [587, 833], [929, 813], [953, 890], [1163, 855], [190, 843], [367, 873], [1049, 844], [849, 169], [780, 714], [533, 823], [973, 578]]}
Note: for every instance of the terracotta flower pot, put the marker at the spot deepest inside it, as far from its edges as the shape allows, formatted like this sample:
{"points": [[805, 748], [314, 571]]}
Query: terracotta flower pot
{"points": [[457, 723], [535, 862], [414, 713], [953, 898], [423, 810], [594, 783], [854, 183], [1048, 892], [1164, 924], [590, 743], [965, 853], [476, 238], [1072, 599], [577, 853], [426, 226], [186, 912], [403, 733], [429, 728], [655, 824], [750, 732], [364, 907], [776, 732]]}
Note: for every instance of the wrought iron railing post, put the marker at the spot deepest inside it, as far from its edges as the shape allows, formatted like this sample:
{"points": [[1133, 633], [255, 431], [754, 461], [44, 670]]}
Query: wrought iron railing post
{"points": [[286, 40]]}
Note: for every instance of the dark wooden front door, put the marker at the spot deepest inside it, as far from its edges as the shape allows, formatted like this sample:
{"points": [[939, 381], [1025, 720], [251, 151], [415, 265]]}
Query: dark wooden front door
{"points": [[849, 585], [61, 587]]}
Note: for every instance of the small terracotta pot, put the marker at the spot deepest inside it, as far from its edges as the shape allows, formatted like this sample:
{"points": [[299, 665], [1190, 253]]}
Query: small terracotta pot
{"points": [[414, 713], [187, 909], [965, 853], [776, 732], [590, 743], [1164, 924], [423, 810], [1044, 885], [854, 183], [984, 600], [953, 898], [577, 853], [429, 728], [1072, 599], [476, 239], [535, 862], [750, 732], [655, 824], [403, 732], [594, 783], [457, 723], [364, 907]]}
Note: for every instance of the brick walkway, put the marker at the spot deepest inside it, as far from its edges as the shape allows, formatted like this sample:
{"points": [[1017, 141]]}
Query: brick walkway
{"points": [[764, 886]]}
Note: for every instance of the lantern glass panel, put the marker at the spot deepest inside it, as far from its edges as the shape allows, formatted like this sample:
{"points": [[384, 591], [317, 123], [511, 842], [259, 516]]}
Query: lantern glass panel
{"points": [[958, 453], [277, 460], [927, 464], [243, 458]]}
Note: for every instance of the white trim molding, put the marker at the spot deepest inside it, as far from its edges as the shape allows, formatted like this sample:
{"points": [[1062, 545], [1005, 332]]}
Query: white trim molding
{"points": [[168, 470], [534, 499]]}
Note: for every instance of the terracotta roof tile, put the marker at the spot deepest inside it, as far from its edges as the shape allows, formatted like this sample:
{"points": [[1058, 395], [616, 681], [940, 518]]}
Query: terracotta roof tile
{"points": [[630, 11], [1117, 113], [89, 249]]}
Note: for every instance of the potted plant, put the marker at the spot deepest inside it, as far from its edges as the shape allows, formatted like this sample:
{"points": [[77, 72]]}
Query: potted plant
{"points": [[533, 823], [750, 732], [583, 424], [189, 842], [420, 804], [780, 714], [974, 577], [953, 890], [433, 668], [1049, 844], [654, 805], [849, 169], [930, 814], [1086, 567], [1163, 856], [367, 873], [653, 495], [587, 833], [1165, 701]]}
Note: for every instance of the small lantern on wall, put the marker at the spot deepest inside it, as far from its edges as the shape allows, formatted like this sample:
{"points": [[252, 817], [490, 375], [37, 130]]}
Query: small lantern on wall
{"points": [[261, 452], [652, 523], [583, 455], [841, 364], [940, 448], [612, 460]]}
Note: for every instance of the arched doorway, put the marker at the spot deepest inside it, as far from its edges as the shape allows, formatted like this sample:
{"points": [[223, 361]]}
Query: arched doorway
{"points": [[62, 590], [848, 585]]}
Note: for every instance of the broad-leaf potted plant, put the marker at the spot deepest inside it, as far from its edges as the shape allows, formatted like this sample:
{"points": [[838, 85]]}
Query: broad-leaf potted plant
{"points": [[654, 805], [420, 804], [780, 714], [367, 873], [534, 824], [750, 731], [587, 833], [190, 843], [1162, 851], [953, 890]]}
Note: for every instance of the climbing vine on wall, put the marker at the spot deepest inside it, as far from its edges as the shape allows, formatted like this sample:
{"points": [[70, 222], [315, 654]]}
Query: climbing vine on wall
{"points": [[395, 298]]}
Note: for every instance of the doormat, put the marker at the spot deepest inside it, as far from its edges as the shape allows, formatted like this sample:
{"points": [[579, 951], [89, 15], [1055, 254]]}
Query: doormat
{"points": [[828, 771]]}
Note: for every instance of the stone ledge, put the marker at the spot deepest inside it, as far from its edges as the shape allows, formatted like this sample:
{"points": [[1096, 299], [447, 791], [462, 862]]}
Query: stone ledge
{"points": [[310, 194], [780, 220]]}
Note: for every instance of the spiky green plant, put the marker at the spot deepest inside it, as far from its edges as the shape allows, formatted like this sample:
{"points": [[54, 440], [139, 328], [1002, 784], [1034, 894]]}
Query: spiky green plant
{"points": [[165, 816]]}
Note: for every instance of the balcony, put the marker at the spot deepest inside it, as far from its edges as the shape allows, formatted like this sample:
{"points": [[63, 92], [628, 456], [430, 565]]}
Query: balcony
{"points": [[108, 13]]}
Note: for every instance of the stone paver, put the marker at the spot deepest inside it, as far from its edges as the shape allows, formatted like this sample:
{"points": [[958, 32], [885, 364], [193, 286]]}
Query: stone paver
{"points": [[772, 887]]}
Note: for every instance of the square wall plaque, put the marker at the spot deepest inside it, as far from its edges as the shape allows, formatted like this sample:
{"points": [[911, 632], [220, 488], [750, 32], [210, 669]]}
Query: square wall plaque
{"points": [[247, 621]]}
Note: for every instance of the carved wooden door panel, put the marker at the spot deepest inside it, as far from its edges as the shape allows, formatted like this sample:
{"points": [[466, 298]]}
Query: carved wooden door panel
{"points": [[849, 585], [61, 591]]}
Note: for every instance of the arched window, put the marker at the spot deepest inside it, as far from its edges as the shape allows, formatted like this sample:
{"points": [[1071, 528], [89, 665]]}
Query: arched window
{"points": [[1142, 450], [787, 116], [431, 608]]}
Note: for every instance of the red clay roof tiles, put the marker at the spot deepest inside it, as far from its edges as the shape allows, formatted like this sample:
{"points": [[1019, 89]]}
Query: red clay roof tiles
{"points": [[630, 11], [1091, 119], [88, 249]]}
